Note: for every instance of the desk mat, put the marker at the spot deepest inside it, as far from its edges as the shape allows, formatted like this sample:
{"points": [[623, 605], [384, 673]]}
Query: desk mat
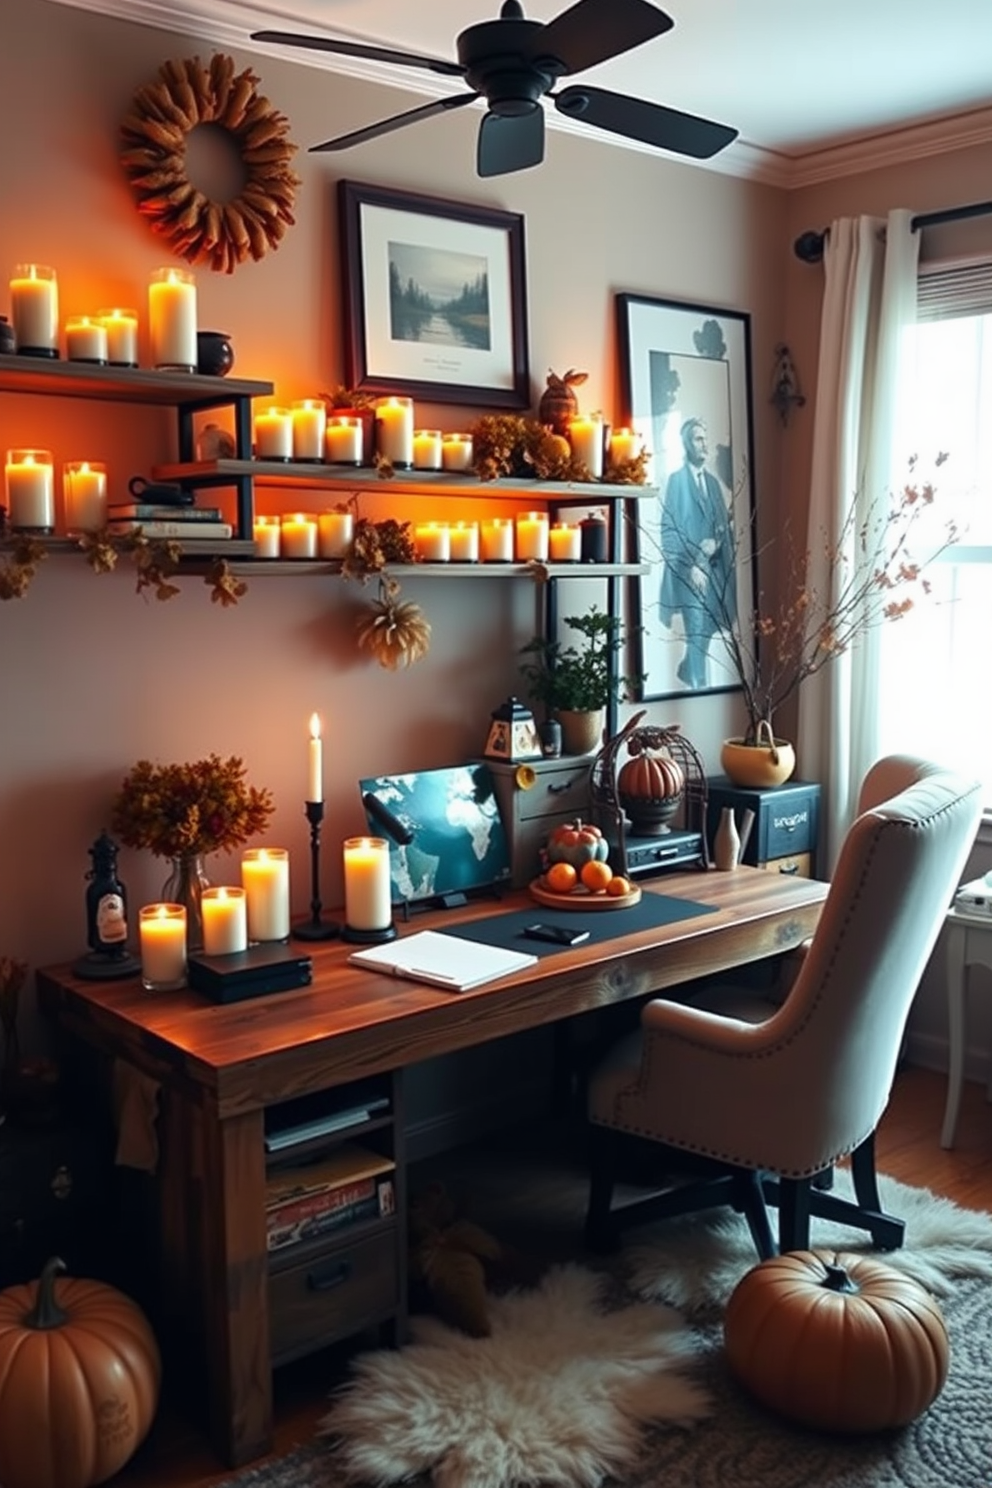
{"points": [[507, 930]]}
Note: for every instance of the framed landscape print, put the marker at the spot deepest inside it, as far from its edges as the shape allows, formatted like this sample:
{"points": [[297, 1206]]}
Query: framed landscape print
{"points": [[435, 298], [686, 384]]}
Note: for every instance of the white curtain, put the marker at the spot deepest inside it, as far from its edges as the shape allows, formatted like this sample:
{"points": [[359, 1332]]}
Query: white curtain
{"points": [[870, 294]]}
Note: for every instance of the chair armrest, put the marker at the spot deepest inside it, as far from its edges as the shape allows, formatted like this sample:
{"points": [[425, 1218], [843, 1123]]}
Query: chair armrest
{"points": [[706, 1030]]}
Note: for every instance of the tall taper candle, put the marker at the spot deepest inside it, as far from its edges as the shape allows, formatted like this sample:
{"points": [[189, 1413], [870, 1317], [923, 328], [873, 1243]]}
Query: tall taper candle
{"points": [[315, 772]]}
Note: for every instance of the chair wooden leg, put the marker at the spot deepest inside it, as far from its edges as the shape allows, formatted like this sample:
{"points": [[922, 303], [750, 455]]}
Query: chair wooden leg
{"points": [[793, 1213], [751, 1201], [886, 1232], [600, 1234]]}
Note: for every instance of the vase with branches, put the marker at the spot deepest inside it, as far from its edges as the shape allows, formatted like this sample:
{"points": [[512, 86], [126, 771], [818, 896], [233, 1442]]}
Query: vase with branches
{"points": [[875, 573]]}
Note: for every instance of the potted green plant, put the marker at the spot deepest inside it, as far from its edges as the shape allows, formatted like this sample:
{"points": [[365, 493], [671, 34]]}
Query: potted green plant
{"points": [[575, 683]]}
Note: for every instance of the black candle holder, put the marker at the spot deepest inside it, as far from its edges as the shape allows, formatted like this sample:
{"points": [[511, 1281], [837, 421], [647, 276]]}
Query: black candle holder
{"points": [[369, 937], [315, 928]]}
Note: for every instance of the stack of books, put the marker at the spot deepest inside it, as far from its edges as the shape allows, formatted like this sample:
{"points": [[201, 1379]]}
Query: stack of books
{"points": [[157, 521], [351, 1184]]}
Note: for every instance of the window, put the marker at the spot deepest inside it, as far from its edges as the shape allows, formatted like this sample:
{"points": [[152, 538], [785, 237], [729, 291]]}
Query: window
{"points": [[936, 680]]}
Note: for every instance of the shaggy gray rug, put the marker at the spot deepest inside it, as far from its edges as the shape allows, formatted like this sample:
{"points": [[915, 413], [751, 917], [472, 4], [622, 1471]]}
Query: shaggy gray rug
{"points": [[736, 1443]]}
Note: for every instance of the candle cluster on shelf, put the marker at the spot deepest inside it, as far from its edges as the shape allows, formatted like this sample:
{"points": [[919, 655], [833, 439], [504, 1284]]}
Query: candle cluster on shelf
{"points": [[108, 336], [29, 484]]}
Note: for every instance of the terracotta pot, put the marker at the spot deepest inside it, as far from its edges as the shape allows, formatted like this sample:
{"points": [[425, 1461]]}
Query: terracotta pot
{"points": [[581, 733], [757, 766]]}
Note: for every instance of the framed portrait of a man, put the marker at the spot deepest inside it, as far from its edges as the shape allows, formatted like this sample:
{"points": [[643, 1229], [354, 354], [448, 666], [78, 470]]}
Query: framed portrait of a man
{"points": [[685, 376]]}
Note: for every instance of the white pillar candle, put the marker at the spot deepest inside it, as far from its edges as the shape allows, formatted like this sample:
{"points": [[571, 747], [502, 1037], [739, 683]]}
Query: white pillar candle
{"points": [[122, 336], [34, 308], [335, 530], [172, 319], [463, 542], [394, 430], [496, 540], [30, 489], [84, 492], [565, 542], [625, 444], [274, 434], [432, 542], [585, 435], [309, 422], [456, 452], [162, 939], [315, 761], [265, 878], [298, 535], [427, 449], [343, 440], [267, 532], [85, 339], [532, 536], [225, 921], [367, 896]]}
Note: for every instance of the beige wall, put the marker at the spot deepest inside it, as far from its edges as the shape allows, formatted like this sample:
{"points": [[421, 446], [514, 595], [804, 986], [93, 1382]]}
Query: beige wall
{"points": [[93, 677]]}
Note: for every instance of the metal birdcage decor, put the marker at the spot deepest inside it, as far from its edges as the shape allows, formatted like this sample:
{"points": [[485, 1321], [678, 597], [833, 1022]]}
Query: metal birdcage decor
{"points": [[676, 808]]}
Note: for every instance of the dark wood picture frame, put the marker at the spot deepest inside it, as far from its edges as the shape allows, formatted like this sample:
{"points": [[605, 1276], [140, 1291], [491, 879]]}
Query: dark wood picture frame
{"points": [[682, 365], [401, 254]]}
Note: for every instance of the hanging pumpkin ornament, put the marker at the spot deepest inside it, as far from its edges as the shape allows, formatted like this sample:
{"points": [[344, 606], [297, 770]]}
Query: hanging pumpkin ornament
{"points": [[79, 1381], [397, 634]]}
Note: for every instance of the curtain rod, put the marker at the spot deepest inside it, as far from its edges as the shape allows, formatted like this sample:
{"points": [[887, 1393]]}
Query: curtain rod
{"points": [[809, 245]]}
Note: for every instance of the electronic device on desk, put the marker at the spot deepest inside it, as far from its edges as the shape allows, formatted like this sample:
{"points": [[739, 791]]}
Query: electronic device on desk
{"points": [[649, 799], [975, 898], [445, 833]]}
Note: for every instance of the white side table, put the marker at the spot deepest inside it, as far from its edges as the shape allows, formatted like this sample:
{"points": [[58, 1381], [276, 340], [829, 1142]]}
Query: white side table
{"points": [[969, 943]]}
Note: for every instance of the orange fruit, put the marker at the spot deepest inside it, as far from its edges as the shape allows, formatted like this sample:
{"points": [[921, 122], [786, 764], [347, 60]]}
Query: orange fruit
{"points": [[561, 878], [618, 885], [596, 875]]}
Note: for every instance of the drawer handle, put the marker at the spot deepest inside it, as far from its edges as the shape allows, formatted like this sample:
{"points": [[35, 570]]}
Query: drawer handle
{"points": [[326, 1281], [556, 790], [793, 869]]}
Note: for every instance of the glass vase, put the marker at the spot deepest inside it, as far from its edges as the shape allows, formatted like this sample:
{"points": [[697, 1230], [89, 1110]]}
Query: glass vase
{"points": [[185, 886]]}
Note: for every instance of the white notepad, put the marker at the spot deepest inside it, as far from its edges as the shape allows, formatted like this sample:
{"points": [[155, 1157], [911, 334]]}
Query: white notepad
{"points": [[442, 960]]}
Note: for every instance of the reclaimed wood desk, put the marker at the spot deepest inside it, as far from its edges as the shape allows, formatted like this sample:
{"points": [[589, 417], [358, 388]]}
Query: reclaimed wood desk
{"points": [[220, 1067]]}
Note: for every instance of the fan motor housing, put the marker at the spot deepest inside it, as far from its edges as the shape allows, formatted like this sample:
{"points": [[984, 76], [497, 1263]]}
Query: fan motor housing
{"points": [[500, 63]]}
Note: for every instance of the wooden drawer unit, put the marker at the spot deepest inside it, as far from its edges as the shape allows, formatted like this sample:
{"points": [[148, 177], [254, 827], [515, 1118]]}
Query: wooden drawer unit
{"points": [[786, 820], [559, 793], [333, 1291]]}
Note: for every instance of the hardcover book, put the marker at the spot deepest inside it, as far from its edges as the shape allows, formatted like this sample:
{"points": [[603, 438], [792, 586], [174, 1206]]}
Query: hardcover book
{"points": [[149, 511], [172, 528]]}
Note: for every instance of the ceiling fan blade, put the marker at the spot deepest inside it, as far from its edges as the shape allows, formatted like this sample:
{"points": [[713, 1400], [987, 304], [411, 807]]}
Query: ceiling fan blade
{"points": [[592, 31], [510, 143], [652, 123], [397, 121], [359, 49]]}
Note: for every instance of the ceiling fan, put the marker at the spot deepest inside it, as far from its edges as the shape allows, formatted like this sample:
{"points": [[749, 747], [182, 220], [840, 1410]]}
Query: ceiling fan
{"points": [[513, 63]]}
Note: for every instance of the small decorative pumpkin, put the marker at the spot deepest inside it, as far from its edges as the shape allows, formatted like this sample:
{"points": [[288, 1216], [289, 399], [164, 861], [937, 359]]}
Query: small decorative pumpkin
{"points": [[558, 401], [79, 1381], [577, 843], [651, 777], [836, 1341]]}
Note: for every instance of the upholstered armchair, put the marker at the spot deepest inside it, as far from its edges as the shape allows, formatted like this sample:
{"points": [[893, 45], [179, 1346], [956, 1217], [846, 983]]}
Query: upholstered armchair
{"points": [[760, 1108]]}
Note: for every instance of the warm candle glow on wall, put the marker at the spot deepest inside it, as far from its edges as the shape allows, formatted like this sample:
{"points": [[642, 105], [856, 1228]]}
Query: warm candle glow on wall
{"points": [[315, 762], [34, 308]]}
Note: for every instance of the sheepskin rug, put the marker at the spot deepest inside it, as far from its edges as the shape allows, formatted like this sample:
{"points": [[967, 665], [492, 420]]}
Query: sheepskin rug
{"points": [[558, 1396]]}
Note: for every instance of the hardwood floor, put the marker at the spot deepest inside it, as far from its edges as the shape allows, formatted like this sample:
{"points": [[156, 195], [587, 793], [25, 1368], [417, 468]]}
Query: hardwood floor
{"points": [[908, 1148]]}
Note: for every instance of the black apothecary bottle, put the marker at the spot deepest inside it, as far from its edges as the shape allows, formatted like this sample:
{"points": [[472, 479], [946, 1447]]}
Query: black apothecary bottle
{"points": [[106, 900]]}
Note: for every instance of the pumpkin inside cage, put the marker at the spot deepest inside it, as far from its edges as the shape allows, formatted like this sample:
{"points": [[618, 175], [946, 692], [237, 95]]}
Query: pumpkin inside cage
{"points": [[650, 786]]}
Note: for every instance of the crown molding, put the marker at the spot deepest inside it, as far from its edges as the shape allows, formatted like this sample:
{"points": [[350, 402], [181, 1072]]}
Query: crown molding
{"points": [[788, 171]]}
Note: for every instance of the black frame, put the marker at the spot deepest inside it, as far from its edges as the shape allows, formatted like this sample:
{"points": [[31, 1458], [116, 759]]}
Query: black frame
{"points": [[681, 361], [375, 362]]}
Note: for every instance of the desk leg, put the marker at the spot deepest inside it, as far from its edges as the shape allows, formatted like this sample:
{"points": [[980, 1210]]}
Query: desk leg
{"points": [[955, 1030], [236, 1288]]}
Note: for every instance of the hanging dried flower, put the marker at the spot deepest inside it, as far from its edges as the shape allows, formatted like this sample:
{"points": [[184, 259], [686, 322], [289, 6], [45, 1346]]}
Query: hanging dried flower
{"points": [[397, 634]]}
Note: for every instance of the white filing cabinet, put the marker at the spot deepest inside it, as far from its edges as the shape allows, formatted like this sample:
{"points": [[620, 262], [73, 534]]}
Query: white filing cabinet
{"points": [[969, 943]]}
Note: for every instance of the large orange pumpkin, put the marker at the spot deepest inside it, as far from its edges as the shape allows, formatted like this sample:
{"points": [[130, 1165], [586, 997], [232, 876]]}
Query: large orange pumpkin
{"points": [[836, 1341], [79, 1381]]}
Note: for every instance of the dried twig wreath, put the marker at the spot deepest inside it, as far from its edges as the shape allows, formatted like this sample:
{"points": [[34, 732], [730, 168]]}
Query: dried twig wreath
{"points": [[154, 156]]}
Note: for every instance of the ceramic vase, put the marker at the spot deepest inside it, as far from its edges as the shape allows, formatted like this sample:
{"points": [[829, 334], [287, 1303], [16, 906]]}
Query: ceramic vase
{"points": [[726, 842], [581, 733], [767, 762]]}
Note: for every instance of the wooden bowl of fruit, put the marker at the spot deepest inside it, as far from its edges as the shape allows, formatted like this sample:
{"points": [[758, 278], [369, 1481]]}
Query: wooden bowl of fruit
{"points": [[578, 875]]}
